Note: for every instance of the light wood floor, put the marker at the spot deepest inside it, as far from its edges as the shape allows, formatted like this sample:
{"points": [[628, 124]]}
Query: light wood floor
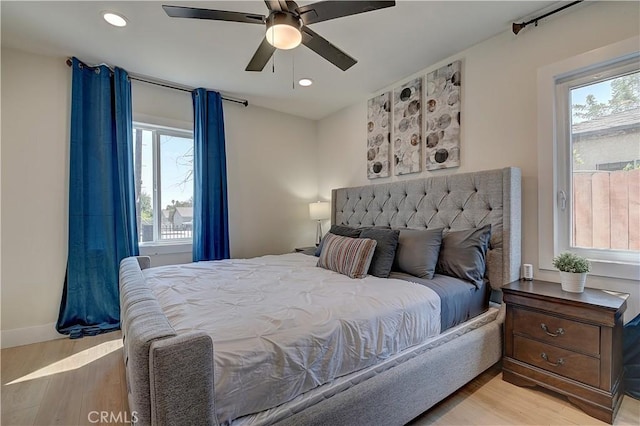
{"points": [[63, 381]]}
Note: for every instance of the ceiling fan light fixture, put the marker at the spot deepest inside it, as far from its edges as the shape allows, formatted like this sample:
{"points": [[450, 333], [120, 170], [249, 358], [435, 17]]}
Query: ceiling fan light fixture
{"points": [[114, 19], [287, 26], [283, 31]]}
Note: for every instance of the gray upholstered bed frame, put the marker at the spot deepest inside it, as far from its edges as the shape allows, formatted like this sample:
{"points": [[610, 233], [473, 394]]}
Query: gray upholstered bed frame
{"points": [[170, 376]]}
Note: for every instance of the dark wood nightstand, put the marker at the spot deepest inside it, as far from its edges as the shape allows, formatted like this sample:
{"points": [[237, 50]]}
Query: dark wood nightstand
{"points": [[570, 343], [306, 250]]}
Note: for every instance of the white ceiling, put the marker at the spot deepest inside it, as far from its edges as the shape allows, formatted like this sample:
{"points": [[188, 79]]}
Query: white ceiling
{"points": [[389, 44]]}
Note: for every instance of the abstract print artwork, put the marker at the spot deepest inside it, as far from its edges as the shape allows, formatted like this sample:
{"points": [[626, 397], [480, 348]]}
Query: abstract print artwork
{"points": [[378, 136], [407, 119], [443, 117]]}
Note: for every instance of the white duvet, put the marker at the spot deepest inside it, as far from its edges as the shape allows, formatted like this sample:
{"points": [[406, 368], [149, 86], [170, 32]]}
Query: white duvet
{"points": [[282, 326]]}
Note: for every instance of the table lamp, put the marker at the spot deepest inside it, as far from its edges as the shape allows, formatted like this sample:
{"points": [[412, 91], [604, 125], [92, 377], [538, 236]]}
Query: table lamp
{"points": [[319, 211]]}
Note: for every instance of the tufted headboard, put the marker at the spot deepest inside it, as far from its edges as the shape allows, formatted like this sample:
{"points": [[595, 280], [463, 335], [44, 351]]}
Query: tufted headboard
{"points": [[452, 202]]}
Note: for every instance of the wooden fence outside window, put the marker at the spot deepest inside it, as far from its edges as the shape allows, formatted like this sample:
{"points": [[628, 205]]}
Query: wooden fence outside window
{"points": [[606, 209]]}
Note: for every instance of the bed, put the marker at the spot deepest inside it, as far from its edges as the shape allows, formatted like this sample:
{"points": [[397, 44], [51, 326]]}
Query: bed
{"points": [[182, 367]]}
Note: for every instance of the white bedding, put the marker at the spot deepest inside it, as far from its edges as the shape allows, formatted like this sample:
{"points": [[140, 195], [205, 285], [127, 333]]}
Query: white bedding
{"points": [[282, 326]]}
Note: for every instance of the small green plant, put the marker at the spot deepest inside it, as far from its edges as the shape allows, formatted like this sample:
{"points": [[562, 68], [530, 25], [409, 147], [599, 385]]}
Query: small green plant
{"points": [[571, 262]]}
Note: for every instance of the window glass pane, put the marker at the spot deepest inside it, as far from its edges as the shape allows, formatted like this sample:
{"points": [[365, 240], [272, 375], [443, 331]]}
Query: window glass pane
{"points": [[605, 164], [176, 186], [163, 167], [143, 171]]}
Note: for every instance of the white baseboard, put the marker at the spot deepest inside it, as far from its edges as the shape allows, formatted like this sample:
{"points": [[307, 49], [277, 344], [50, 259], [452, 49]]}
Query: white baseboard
{"points": [[28, 335]]}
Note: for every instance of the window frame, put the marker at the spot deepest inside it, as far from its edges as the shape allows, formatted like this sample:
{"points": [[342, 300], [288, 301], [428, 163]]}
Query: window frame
{"points": [[178, 245], [564, 146], [553, 135]]}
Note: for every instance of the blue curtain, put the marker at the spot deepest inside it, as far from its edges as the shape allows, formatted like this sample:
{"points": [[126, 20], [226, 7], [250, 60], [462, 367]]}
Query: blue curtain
{"points": [[102, 218], [210, 216]]}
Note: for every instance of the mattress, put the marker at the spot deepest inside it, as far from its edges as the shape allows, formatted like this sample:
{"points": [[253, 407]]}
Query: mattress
{"points": [[341, 384], [282, 326], [459, 300]]}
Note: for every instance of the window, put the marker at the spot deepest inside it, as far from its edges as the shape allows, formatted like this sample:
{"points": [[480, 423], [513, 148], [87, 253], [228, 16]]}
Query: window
{"points": [[598, 124], [588, 147], [163, 164]]}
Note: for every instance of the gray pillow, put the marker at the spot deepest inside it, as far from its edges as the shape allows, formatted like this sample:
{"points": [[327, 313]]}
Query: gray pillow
{"points": [[385, 250], [343, 231], [417, 252], [463, 253]]}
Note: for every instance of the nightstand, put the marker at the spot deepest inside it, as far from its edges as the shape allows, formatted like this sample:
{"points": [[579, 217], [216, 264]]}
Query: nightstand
{"points": [[570, 343], [306, 250]]}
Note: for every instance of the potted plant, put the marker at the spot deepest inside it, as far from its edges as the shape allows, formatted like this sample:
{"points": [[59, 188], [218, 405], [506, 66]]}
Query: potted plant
{"points": [[573, 271]]}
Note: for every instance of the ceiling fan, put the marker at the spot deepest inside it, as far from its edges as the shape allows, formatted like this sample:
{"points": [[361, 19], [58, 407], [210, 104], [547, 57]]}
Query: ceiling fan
{"points": [[288, 25]]}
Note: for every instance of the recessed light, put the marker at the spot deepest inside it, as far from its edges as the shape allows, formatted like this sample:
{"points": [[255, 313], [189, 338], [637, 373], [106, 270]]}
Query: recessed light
{"points": [[114, 19], [305, 82]]}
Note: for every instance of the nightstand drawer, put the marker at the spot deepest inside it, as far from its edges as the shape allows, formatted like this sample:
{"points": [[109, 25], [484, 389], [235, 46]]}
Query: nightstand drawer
{"points": [[576, 366], [562, 332]]}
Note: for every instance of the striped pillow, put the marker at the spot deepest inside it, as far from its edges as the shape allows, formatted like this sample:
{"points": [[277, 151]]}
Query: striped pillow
{"points": [[347, 256]]}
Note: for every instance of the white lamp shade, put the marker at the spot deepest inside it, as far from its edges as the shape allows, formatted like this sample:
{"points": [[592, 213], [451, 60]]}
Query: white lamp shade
{"points": [[319, 210]]}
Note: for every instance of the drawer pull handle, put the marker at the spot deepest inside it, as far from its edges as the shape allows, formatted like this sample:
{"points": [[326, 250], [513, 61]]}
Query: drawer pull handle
{"points": [[555, 364], [559, 331]]}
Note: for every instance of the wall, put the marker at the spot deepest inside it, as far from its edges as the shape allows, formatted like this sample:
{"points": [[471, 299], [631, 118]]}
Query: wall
{"points": [[499, 121], [272, 176], [35, 120]]}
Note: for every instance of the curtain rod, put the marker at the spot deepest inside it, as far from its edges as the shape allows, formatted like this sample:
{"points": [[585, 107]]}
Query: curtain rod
{"points": [[169, 85], [517, 27]]}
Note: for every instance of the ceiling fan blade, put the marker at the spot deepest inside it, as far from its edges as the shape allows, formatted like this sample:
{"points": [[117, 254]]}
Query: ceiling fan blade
{"points": [[325, 10], [281, 5], [273, 5], [216, 15], [322, 47], [261, 57], [291, 5]]}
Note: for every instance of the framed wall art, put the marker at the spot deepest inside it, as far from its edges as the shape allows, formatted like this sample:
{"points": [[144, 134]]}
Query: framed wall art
{"points": [[407, 127], [379, 136], [442, 124]]}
